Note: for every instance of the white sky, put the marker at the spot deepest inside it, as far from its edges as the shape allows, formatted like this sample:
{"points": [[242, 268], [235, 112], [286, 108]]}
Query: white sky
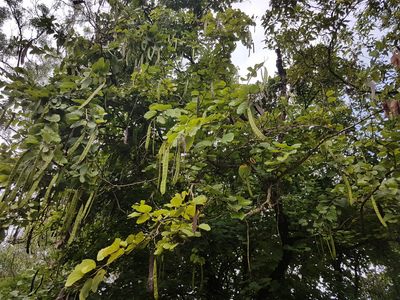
{"points": [[241, 56]]}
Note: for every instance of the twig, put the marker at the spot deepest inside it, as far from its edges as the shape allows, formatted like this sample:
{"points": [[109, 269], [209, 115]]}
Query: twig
{"points": [[258, 209], [128, 184], [119, 207]]}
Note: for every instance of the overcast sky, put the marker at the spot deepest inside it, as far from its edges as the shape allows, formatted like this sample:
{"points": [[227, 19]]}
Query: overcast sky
{"points": [[241, 56]]}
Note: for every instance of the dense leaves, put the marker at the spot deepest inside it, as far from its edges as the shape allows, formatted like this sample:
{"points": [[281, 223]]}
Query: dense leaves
{"points": [[155, 173]]}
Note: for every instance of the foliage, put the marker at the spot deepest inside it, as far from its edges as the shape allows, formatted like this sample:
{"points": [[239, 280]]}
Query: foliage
{"points": [[158, 175]]}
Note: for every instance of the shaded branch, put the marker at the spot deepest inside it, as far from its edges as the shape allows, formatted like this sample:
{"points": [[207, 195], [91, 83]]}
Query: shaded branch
{"points": [[128, 184], [261, 207], [311, 151]]}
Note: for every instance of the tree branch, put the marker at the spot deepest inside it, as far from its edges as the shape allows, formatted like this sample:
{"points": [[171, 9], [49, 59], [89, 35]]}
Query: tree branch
{"points": [[311, 151]]}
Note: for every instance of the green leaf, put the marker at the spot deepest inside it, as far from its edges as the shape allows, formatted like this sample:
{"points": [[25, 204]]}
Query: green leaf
{"points": [[242, 108], [143, 208], [85, 289], [143, 218], [53, 118], [161, 120], [160, 107], [170, 246], [86, 266], [108, 250], [374, 53], [329, 93], [244, 171], [101, 67], [237, 215], [97, 279], [189, 142], [283, 158], [176, 201], [254, 88], [227, 138], [199, 200], [205, 227], [150, 114], [74, 277], [115, 255]]}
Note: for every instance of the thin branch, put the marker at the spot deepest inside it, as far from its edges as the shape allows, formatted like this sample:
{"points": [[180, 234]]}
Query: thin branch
{"points": [[261, 207], [119, 207], [311, 151], [128, 184], [292, 127]]}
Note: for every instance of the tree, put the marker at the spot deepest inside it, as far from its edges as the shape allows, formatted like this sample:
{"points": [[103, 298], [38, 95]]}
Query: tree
{"points": [[156, 174]]}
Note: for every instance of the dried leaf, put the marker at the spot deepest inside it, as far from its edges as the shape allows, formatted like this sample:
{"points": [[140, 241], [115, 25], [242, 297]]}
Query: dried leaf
{"points": [[395, 60], [372, 86], [391, 108]]}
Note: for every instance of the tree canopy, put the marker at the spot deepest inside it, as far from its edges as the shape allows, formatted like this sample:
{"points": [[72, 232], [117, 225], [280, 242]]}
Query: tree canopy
{"points": [[135, 163]]}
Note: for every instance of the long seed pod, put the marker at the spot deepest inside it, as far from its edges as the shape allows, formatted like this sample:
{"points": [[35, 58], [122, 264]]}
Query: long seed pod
{"points": [[127, 57], [158, 57], [331, 246], [350, 193], [212, 91], [123, 48], [160, 155], [88, 205], [93, 94], [11, 177], [185, 89], [88, 145], [193, 273], [146, 145], [22, 203], [70, 212], [159, 90], [35, 109], [45, 165], [150, 277], [33, 172], [177, 165], [5, 110], [378, 214], [202, 277], [45, 110], [76, 224], [19, 182], [248, 186], [81, 215], [248, 246], [155, 279], [253, 126], [48, 191], [164, 174]]}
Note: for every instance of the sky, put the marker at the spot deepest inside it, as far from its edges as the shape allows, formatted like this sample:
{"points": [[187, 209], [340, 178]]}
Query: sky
{"points": [[241, 56]]}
